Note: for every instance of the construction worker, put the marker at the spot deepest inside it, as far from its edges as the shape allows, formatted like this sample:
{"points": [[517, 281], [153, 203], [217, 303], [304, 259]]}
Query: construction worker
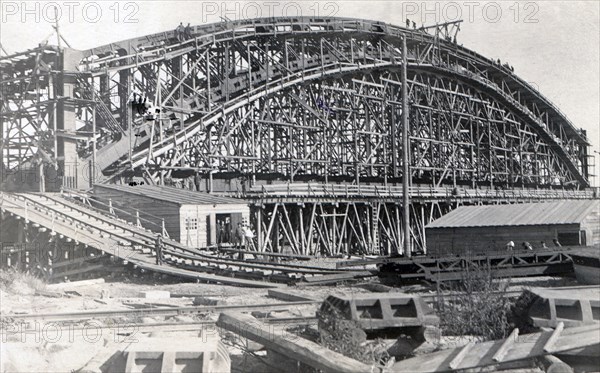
{"points": [[240, 235], [187, 32], [159, 248], [510, 246], [179, 32], [140, 105], [220, 233], [249, 238], [556, 243]]}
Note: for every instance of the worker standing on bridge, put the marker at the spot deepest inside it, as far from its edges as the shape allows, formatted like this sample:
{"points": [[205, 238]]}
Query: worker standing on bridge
{"points": [[179, 32], [159, 249], [187, 32]]}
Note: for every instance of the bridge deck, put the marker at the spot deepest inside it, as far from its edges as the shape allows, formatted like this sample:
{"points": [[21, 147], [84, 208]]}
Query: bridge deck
{"points": [[310, 191]]}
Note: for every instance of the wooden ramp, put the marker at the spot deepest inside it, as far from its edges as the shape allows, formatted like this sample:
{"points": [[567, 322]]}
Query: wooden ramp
{"points": [[116, 239], [515, 347]]}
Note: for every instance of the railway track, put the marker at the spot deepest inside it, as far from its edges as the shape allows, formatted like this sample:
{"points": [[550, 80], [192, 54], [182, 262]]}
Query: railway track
{"points": [[134, 245], [155, 311]]}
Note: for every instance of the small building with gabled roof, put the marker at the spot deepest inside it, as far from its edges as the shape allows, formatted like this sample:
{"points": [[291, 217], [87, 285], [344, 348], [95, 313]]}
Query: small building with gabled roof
{"points": [[195, 219], [478, 229]]}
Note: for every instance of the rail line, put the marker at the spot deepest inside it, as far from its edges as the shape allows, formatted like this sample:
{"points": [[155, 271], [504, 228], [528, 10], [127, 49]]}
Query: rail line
{"points": [[156, 311]]}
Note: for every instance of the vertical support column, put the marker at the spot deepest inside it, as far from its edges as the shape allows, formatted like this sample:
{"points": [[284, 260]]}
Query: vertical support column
{"points": [[259, 232], [227, 71], [301, 237], [405, 144], [177, 71], [208, 87], [124, 93], [68, 158], [393, 129], [93, 166], [275, 233], [105, 89]]}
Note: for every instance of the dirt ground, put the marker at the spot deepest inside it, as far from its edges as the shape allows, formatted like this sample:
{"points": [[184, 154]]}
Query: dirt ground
{"points": [[39, 348], [46, 347]]}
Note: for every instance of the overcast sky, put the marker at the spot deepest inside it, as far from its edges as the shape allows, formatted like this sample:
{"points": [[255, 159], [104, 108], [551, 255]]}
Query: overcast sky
{"points": [[552, 44]]}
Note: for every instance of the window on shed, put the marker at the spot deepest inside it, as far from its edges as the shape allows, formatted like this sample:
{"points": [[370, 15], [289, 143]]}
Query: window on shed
{"points": [[191, 224]]}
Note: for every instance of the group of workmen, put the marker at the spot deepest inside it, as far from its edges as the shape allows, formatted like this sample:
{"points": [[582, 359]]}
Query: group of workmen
{"points": [[183, 32], [510, 246], [140, 106], [243, 238]]}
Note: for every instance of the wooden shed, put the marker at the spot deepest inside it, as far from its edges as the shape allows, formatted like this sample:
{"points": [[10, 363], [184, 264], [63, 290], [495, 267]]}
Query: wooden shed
{"points": [[191, 218], [477, 229]]}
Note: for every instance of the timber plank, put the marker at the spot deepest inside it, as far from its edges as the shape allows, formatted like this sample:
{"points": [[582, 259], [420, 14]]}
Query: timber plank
{"points": [[524, 347], [300, 349]]}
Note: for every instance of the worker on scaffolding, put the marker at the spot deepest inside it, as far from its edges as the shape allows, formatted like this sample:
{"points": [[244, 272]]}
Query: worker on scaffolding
{"points": [[187, 32], [179, 31], [159, 249], [141, 105]]}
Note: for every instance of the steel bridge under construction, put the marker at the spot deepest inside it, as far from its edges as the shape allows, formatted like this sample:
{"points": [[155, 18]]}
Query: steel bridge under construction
{"points": [[346, 135]]}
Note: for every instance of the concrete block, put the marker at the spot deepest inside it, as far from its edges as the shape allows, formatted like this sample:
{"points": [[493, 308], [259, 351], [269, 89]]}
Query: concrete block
{"points": [[170, 355], [571, 306], [378, 311]]}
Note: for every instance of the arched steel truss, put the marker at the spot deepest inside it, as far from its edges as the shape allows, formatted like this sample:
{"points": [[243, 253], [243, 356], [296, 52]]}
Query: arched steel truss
{"points": [[285, 100]]}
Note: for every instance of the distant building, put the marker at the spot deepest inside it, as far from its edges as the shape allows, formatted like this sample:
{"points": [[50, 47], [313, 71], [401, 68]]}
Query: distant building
{"points": [[195, 219], [477, 229]]}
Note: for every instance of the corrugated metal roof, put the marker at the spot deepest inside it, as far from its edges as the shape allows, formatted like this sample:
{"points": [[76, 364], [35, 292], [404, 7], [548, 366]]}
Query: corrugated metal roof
{"points": [[175, 195], [542, 213]]}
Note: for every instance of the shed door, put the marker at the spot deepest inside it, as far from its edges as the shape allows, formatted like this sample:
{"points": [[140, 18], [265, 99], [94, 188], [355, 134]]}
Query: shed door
{"points": [[209, 241], [568, 238], [582, 238]]}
